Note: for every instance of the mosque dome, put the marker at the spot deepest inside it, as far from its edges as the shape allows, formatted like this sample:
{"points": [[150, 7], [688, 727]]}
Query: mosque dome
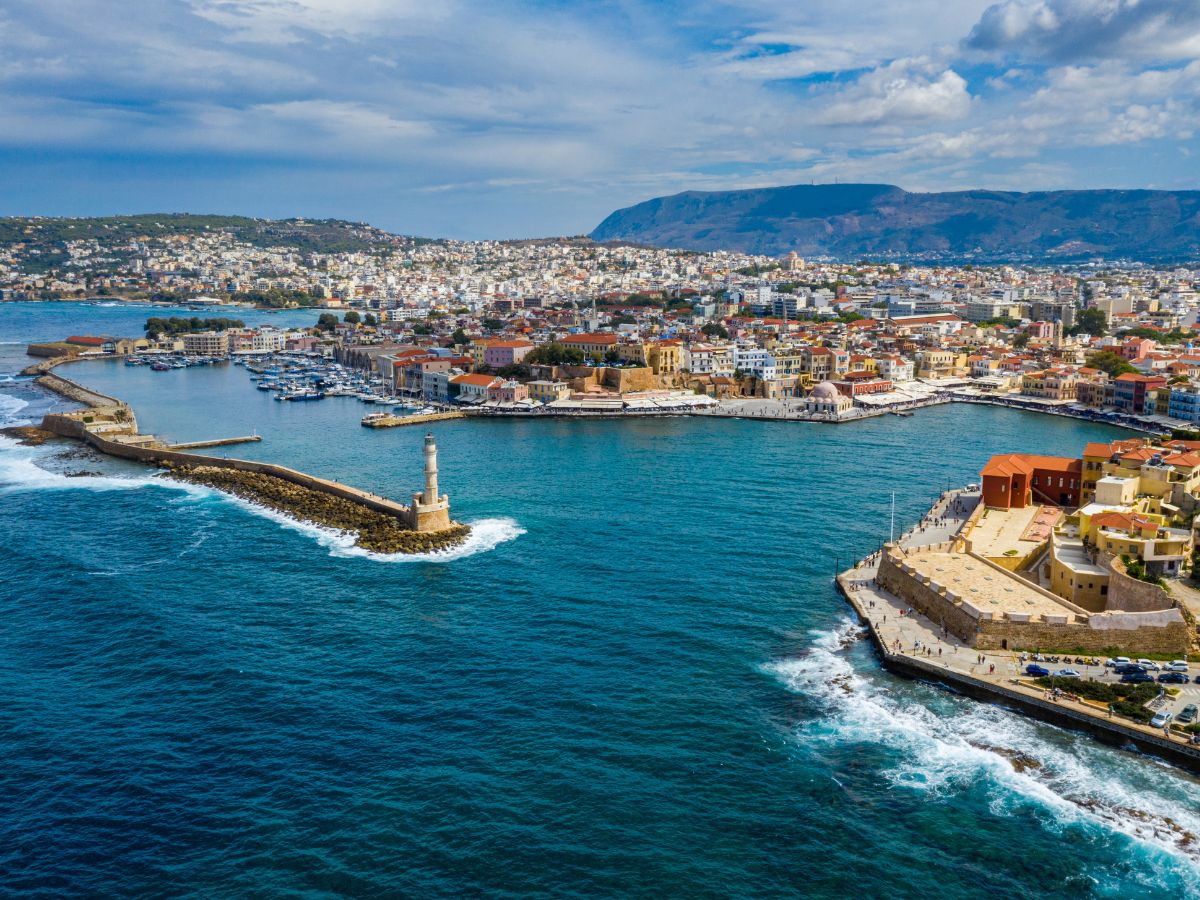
{"points": [[826, 390]]}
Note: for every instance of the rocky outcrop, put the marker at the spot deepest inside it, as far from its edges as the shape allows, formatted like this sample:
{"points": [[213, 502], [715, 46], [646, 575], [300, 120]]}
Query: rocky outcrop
{"points": [[373, 530]]}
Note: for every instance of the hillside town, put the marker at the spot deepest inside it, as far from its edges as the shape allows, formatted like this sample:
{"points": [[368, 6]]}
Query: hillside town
{"points": [[575, 326]]}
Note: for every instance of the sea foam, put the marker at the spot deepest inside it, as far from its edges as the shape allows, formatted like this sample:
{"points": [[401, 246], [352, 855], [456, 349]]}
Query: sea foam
{"points": [[1068, 775], [486, 534], [19, 471]]}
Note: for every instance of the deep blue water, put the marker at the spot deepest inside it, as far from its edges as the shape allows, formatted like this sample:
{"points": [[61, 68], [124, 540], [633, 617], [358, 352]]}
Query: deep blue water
{"points": [[626, 687]]}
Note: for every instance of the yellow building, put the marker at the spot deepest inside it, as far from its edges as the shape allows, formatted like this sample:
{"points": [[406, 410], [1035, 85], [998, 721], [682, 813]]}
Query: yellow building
{"points": [[666, 357]]}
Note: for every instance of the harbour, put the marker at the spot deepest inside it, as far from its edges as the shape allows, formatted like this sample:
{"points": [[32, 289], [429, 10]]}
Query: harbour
{"points": [[741, 665]]}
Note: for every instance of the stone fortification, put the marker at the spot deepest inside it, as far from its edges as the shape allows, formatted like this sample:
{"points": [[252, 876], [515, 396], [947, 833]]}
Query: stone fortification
{"points": [[1036, 619]]}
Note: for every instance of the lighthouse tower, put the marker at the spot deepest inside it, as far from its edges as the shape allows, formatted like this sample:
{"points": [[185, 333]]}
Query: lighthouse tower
{"points": [[430, 510]]}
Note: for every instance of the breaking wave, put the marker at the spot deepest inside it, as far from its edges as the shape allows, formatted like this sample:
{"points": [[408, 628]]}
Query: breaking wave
{"points": [[1022, 762], [9, 407], [486, 534], [19, 471]]}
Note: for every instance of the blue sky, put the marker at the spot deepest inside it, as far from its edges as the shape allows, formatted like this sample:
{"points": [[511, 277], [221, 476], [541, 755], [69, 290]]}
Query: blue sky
{"points": [[513, 119]]}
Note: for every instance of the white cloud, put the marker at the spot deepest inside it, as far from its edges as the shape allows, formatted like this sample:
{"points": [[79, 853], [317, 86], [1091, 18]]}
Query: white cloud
{"points": [[907, 90], [289, 21], [1074, 30]]}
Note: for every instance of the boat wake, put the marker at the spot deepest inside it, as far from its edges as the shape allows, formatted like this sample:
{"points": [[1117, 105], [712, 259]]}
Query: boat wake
{"points": [[1023, 764]]}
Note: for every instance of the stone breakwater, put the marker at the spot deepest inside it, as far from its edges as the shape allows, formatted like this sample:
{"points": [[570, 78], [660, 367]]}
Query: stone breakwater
{"points": [[373, 530]]}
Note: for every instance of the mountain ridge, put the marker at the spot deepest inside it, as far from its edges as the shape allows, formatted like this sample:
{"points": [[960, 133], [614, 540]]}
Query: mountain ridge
{"points": [[881, 220]]}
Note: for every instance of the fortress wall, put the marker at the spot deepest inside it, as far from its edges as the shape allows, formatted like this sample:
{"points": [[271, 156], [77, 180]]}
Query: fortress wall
{"points": [[1131, 633], [1128, 594], [1003, 634], [934, 604]]}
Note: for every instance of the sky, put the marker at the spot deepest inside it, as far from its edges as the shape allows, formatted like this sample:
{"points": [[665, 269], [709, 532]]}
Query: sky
{"points": [[505, 119]]}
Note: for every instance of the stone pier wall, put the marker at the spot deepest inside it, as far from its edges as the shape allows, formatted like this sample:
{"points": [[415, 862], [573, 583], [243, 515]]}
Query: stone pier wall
{"points": [[70, 426]]}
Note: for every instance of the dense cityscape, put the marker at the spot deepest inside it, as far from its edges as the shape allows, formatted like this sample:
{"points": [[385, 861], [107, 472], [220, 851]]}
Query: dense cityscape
{"points": [[555, 325]]}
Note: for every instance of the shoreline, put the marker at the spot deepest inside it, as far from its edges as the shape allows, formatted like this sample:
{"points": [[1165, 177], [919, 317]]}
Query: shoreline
{"points": [[1002, 684]]}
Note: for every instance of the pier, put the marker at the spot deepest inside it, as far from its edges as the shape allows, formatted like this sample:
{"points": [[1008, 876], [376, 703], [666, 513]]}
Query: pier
{"points": [[218, 442], [912, 645], [387, 420]]}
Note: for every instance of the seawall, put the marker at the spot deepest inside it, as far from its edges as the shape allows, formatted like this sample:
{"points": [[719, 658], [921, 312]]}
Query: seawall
{"points": [[109, 426], [1109, 730]]}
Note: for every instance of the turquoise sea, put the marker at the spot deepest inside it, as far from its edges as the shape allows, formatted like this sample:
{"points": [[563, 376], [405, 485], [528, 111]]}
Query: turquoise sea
{"points": [[637, 680]]}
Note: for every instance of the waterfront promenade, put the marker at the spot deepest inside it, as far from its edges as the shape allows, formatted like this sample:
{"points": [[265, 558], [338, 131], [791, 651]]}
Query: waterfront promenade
{"points": [[911, 644]]}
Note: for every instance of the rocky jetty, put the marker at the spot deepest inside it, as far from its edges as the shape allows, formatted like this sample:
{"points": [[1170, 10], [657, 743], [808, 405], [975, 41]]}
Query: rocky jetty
{"points": [[28, 434], [373, 530]]}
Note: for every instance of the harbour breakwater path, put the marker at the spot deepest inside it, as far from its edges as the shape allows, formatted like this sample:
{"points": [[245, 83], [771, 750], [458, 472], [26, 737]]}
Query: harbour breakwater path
{"points": [[379, 524]]}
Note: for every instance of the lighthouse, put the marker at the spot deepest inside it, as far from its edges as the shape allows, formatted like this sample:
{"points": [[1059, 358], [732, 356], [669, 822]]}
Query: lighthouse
{"points": [[431, 486], [430, 511]]}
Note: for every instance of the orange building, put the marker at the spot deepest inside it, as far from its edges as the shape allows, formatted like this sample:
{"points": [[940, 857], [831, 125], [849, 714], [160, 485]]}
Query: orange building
{"points": [[1017, 480]]}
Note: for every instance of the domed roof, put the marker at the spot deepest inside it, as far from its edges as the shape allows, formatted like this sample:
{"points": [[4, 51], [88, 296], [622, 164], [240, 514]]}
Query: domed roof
{"points": [[826, 390]]}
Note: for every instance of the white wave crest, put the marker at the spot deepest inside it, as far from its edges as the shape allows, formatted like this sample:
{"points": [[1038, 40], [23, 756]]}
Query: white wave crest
{"points": [[486, 534], [1019, 760], [9, 407], [19, 471]]}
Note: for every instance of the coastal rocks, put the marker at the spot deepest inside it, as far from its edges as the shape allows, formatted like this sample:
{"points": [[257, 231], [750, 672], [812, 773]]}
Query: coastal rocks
{"points": [[28, 434], [373, 530]]}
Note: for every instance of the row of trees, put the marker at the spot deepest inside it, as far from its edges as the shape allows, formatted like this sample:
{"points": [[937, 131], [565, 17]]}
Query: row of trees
{"points": [[180, 325], [329, 321]]}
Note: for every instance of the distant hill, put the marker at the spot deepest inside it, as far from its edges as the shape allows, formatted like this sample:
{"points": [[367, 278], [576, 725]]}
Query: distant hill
{"points": [[852, 221], [310, 235]]}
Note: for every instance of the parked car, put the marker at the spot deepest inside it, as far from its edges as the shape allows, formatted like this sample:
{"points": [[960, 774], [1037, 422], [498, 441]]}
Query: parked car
{"points": [[1188, 714], [1161, 718], [1177, 665], [1036, 671], [1129, 669], [1173, 678], [1148, 664], [1067, 673], [1118, 661], [1137, 678]]}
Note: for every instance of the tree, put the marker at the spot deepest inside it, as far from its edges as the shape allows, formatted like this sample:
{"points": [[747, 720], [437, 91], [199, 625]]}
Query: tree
{"points": [[492, 324], [460, 337], [327, 322], [352, 318], [852, 316], [715, 329], [177, 325], [369, 319], [555, 354], [1107, 361], [1021, 340], [612, 357], [422, 328], [1090, 321]]}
